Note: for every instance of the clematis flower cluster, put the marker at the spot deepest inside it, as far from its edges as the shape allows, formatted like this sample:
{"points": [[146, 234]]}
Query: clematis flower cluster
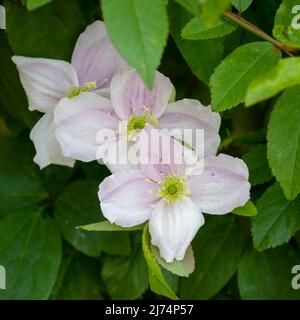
{"points": [[98, 92]]}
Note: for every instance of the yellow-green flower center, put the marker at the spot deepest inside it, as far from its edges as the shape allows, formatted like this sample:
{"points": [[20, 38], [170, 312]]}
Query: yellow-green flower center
{"points": [[136, 123], [74, 91], [173, 188]]}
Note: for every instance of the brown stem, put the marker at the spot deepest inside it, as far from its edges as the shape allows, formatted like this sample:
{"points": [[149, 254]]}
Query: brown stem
{"points": [[254, 29]]}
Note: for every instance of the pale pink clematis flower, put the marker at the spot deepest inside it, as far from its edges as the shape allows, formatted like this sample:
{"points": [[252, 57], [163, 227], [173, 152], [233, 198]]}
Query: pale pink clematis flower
{"points": [[80, 119], [173, 201], [46, 81]]}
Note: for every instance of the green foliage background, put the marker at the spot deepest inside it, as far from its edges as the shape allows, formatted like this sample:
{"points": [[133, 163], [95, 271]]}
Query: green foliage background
{"points": [[207, 57]]}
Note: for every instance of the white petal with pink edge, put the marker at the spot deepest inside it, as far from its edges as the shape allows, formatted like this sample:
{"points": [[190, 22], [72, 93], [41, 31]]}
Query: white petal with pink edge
{"points": [[95, 57], [191, 114], [129, 94], [222, 186], [48, 150], [45, 81], [126, 198]]}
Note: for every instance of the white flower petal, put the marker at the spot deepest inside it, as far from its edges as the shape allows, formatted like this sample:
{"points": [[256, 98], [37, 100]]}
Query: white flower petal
{"points": [[82, 102], [45, 81], [95, 57], [126, 198], [48, 150], [191, 114], [78, 121], [222, 186], [173, 226]]}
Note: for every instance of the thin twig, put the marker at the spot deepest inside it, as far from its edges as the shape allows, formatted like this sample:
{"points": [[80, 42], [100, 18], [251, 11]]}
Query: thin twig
{"points": [[254, 29]]}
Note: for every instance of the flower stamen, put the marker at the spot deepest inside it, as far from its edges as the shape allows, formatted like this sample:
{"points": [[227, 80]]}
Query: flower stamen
{"points": [[74, 91], [173, 188], [136, 123]]}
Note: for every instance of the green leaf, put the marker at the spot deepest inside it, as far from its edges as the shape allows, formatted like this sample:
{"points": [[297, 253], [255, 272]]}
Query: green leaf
{"points": [[158, 283], [78, 279], [30, 250], [195, 29], [126, 277], [248, 210], [267, 275], [285, 74], [49, 32], [181, 268], [202, 56], [20, 182], [107, 226], [34, 4], [287, 23], [232, 77], [55, 178], [218, 247], [139, 29], [79, 205], [277, 221], [256, 160], [12, 96], [191, 5], [241, 5], [212, 10], [284, 142]]}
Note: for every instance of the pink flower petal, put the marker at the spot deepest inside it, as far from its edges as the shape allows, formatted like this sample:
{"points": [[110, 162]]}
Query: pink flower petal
{"points": [[95, 57], [45, 81], [81, 119], [222, 186], [129, 94], [48, 150], [126, 198], [173, 226], [190, 114]]}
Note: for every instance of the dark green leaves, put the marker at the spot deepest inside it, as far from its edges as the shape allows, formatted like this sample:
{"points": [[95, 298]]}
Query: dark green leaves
{"points": [[287, 23], [79, 205], [232, 77], [48, 32], [78, 279], [277, 221], [202, 56], [12, 96], [30, 250], [284, 142], [139, 29], [267, 275], [126, 277], [191, 5], [256, 160], [20, 184], [218, 247]]}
